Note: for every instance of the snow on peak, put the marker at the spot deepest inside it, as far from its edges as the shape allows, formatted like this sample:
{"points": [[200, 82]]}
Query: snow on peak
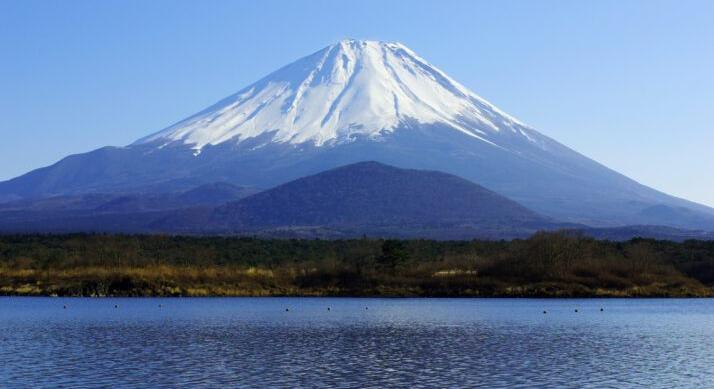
{"points": [[353, 88]]}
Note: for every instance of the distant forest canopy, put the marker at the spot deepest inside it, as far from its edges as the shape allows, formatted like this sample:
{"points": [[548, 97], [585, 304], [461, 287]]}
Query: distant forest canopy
{"points": [[546, 264]]}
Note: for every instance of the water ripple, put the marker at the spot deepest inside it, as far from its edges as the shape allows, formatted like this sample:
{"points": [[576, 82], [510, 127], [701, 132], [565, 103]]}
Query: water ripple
{"points": [[396, 343]]}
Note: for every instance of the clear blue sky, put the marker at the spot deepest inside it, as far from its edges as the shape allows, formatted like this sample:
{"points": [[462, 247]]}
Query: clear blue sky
{"points": [[628, 83]]}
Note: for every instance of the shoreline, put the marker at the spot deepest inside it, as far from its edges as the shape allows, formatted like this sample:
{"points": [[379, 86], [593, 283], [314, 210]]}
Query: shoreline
{"points": [[554, 296], [547, 265]]}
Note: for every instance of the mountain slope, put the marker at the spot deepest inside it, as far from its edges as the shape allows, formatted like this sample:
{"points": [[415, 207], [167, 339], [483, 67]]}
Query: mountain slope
{"points": [[349, 90], [370, 197], [102, 212], [366, 198], [356, 101]]}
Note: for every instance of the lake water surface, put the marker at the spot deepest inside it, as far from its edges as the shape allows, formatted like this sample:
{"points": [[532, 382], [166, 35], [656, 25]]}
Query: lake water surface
{"points": [[248, 342]]}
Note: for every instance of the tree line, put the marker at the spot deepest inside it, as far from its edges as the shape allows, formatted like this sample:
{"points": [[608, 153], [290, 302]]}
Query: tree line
{"points": [[546, 264]]}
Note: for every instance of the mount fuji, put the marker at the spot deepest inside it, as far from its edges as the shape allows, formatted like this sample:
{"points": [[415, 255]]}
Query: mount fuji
{"points": [[359, 101]]}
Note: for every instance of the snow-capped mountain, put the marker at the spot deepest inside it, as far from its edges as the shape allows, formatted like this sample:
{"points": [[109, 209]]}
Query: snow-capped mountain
{"points": [[357, 101], [347, 90]]}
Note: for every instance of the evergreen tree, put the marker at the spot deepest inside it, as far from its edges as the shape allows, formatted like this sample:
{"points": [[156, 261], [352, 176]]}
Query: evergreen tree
{"points": [[394, 254]]}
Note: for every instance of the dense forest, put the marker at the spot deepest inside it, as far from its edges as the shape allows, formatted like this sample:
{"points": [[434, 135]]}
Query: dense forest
{"points": [[546, 264]]}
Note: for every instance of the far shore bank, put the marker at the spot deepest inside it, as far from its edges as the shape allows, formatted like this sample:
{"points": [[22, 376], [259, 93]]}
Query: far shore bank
{"points": [[613, 295], [547, 265]]}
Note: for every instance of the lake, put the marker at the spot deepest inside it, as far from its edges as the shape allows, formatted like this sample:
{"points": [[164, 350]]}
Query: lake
{"points": [[249, 342]]}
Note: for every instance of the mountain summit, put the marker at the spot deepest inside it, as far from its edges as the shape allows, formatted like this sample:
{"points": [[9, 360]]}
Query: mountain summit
{"points": [[360, 101], [349, 90]]}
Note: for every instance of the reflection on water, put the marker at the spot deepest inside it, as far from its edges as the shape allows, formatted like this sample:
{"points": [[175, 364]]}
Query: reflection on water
{"points": [[357, 343]]}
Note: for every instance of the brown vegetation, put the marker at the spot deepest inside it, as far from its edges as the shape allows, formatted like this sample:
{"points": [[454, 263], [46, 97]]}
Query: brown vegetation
{"points": [[547, 264]]}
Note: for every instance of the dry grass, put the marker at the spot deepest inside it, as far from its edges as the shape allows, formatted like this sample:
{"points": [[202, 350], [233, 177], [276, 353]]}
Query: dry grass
{"points": [[545, 265]]}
